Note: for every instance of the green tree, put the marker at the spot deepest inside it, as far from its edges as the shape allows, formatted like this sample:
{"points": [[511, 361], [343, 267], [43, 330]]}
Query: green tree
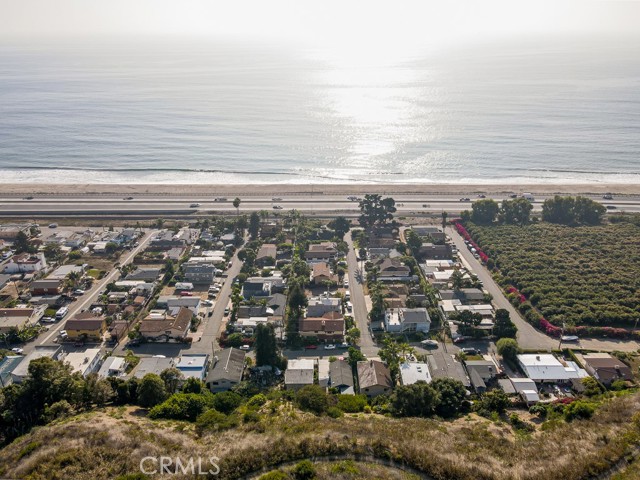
{"points": [[416, 400], [504, 327], [21, 243], [111, 247], [151, 391], [180, 406], [312, 398], [236, 205], [517, 211], [304, 470], [355, 356], [457, 280], [508, 349], [353, 335], [493, 401], [391, 354], [452, 395], [558, 210], [254, 225], [52, 251], [171, 378], [226, 402], [297, 301], [193, 385], [484, 212], [375, 210], [266, 348], [587, 211], [591, 387], [414, 242], [340, 225]]}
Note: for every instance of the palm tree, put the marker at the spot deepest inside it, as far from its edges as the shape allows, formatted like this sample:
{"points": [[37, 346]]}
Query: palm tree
{"points": [[236, 204]]}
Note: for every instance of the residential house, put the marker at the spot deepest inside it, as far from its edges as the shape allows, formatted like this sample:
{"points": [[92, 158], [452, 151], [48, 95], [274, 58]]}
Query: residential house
{"points": [[606, 368], [194, 365], [393, 270], [268, 230], [7, 365], [329, 327], [117, 330], [9, 231], [318, 306], [321, 274], [159, 326], [172, 303], [547, 368], [299, 373], [46, 287], [266, 255], [26, 263], [86, 326], [413, 372], [436, 252], [20, 317], [403, 320], [480, 373], [468, 296], [341, 376], [113, 367], [146, 274], [383, 237], [321, 252], [323, 372], [228, 366], [84, 362], [166, 240], [199, 273], [155, 365], [374, 378], [63, 271], [425, 231], [20, 372]]}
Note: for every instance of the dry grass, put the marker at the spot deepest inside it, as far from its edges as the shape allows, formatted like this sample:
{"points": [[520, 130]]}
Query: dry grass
{"points": [[105, 444]]}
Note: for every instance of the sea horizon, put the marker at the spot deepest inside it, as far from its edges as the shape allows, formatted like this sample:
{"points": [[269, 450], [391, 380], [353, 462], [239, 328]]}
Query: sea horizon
{"points": [[562, 111]]}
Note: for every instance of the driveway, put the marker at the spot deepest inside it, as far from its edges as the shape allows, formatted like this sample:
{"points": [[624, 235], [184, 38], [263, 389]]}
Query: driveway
{"points": [[360, 313]]}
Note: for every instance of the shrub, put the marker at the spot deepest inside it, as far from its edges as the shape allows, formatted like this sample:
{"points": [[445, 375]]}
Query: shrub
{"points": [[180, 406], [277, 475], [304, 471], [578, 409], [212, 420], [257, 401], [352, 403], [226, 402], [312, 398], [335, 412]]}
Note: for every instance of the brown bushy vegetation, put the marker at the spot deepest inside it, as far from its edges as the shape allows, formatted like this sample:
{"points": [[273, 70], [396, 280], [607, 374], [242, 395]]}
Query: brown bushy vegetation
{"points": [[109, 443]]}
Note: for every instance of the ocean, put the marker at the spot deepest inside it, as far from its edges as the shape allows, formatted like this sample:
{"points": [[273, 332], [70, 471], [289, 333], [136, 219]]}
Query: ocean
{"points": [[558, 110]]}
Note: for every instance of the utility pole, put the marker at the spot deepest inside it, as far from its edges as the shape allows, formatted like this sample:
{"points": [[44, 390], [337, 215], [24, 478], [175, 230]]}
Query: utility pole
{"points": [[561, 335]]}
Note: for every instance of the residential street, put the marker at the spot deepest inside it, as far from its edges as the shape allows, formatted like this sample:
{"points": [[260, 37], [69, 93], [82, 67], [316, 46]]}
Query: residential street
{"points": [[360, 313]]}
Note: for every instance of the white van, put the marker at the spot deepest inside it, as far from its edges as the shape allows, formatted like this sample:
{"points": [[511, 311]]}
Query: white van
{"points": [[528, 196], [61, 313]]}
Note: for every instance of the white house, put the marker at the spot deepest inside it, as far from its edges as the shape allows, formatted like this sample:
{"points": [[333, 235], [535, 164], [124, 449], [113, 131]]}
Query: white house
{"points": [[547, 368], [84, 362], [411, 373], [26, 263], [400, 320]]}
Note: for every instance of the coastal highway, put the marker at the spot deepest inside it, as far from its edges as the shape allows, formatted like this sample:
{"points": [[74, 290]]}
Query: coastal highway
{"points": [[316, 203]]}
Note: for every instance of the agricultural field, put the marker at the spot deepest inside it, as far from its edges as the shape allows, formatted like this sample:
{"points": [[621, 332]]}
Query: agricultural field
{"points": [[585, 276]]}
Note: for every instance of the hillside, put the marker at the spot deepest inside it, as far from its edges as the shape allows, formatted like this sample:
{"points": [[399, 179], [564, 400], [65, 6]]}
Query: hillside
{"points": [[111, 442]]}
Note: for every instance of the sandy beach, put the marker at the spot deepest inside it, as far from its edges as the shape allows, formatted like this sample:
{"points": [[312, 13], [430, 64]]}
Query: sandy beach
{"points": [[311, 189]]}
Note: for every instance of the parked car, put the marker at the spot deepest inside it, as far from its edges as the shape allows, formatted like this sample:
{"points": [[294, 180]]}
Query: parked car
{"points": [[63, 333], [226, 311], [17, 350], [48, 320], [569, 338], [469, 351], [78, 292], [245, 347], [185, 293], [330, 347], [311, 347], [429, 343]]}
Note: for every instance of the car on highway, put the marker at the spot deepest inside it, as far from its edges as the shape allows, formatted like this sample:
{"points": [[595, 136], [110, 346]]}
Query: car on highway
{"points": [[330, 347], [29, 197], [277, 207], [194, 205], [482, 196], [429, 343], [465, 199], [353, 198], [607, 196], [245, 348], [276, 199], [17, 350], [128, 198], [311, 347], [53, 225], [611, 207], [220, 199], [513, 195]]}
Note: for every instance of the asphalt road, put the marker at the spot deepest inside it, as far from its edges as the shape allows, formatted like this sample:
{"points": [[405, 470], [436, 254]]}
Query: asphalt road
{"points": [[360, 313], [316, 203]]}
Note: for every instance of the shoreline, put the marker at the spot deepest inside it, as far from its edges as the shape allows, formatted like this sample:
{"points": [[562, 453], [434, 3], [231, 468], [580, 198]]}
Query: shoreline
{"points": [[313, 189]]}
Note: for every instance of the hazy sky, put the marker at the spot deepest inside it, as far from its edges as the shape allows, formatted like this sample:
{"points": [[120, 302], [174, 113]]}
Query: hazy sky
{"points": [[336, 22]]}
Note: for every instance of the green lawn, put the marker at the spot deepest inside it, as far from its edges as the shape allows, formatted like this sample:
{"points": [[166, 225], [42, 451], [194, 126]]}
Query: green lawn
{"points": [[583, 275]]}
